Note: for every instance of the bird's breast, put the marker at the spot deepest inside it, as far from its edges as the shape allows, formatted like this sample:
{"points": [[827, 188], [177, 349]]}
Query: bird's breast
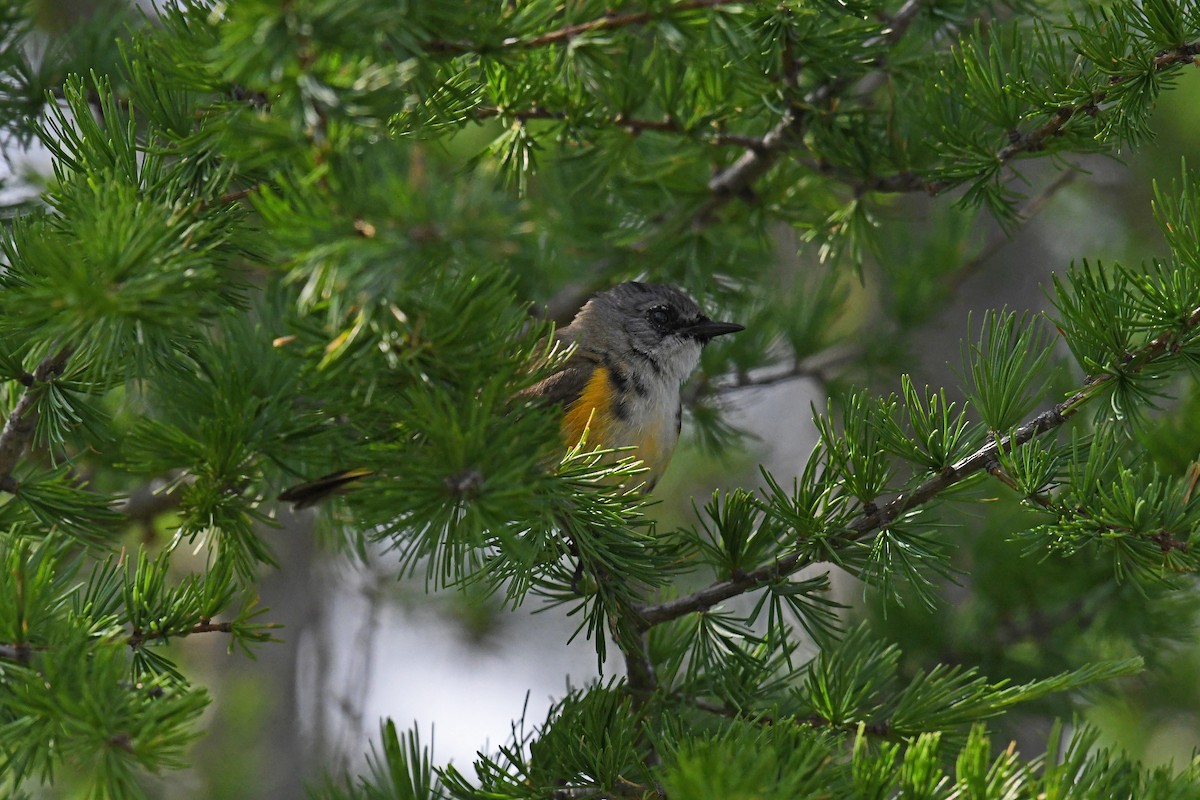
{"points": [[616, 411]]}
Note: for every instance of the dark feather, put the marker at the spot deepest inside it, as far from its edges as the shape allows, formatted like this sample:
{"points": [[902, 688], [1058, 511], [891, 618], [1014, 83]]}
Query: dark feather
{"points": [[313, 492], [565, 386]]}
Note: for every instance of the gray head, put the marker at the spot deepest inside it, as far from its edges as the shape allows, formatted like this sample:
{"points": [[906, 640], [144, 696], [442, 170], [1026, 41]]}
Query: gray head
{"points": [[646, 324]]}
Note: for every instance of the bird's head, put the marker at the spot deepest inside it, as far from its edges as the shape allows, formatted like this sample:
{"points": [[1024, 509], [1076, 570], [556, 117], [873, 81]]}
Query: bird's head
{"points": [[651, 326]]}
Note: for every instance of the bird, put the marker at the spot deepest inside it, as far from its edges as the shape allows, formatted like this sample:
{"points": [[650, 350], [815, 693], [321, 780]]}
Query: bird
{"points": [[633, 347]]}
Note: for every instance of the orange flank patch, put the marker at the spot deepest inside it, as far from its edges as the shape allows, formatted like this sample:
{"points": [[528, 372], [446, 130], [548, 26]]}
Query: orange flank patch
{"points": [[593, 412]]}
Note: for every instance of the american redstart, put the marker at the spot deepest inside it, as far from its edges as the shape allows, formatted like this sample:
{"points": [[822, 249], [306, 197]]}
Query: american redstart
{"points": [[635, 344]]}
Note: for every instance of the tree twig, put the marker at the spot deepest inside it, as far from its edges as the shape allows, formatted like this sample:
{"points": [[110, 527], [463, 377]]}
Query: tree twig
{"points": [[22, 421], [1034, 140], [140, 637], [640, 676], [19, 653], [566, 34], [146, 504], [881, 728], [881, 516], [634, 126], [738, 178], [815, 367], [23, 653]]}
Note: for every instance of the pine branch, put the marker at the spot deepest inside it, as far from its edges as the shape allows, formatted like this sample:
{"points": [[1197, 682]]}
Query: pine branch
{"points": [[817, 367], [739, 178], [1040, 499], [881, 516], [19, 653], [1184, 54], [1035, 140], [587, 793], [881, 728], [634, 126], [23, 653], [640, 676], [239, 195], [145, 505], [140, 637], [565, 34], [1166, 540], [22, 421]]}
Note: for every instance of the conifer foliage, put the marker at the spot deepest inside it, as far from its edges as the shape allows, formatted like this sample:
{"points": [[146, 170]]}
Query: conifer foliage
{"points": [[277, 233]]}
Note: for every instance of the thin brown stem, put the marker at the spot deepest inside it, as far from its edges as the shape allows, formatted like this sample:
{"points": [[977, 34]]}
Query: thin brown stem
{"points": [[22, 421], [640, 676], [240, 194], [880, 516], [634, 126], [140, 637], [816, 367], [22, 653], [18, 653], [996, 471], [565, 34], [146, 504], [1037, 139], [882, 728], [739, 178]]}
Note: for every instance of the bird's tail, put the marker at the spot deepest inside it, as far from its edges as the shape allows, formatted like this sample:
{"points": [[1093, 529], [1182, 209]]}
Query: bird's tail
{"points": [[314, 491]]}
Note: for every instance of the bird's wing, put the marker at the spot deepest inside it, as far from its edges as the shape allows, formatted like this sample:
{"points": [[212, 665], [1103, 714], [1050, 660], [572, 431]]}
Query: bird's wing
{"points": [[312, 492], [565, 386]]}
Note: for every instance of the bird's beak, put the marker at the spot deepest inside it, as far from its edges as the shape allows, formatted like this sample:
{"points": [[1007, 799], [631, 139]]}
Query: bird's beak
{"points": [[705, 329]]}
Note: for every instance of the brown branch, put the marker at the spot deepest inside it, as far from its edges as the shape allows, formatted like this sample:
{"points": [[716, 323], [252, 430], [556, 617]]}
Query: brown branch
{"points": [[1043, 501], [738, 179], [634, 126], [146, 504], [22, 421], [640, 677], [816, 367], [140, 637], [723, 710], [240, 194], [20, 653], [1034, 140], [1166, 540], [1184, 54], [627, 789], [566, 34], [881, 516], [882, 728], [577, 793], [627, 631]]}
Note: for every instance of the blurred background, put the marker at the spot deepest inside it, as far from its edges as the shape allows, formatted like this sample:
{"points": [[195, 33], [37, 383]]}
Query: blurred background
{"points": [[357, 639]]}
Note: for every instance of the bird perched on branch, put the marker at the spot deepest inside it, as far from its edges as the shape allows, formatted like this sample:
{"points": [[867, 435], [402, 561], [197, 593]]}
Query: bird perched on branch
{"points": [[635, 344]]}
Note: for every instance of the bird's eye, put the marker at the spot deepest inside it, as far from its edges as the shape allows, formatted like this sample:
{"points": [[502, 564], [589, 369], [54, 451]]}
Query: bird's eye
{"points": [[660, 317]]}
